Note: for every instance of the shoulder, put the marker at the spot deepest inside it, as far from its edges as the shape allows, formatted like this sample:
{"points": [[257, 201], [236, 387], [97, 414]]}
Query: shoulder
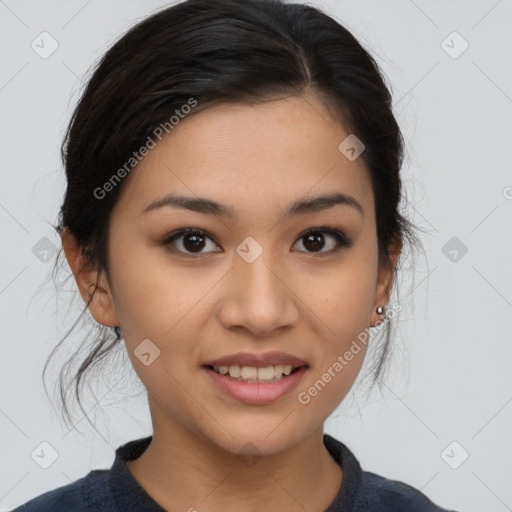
{"points": [[362, 491], [83, 495], [385, 495]]}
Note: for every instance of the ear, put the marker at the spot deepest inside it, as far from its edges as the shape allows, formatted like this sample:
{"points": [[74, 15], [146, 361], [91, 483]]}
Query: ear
{"points": [[385, 280], [88, 279]]}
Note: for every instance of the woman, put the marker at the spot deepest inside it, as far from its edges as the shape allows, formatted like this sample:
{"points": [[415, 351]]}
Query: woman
{"points": [[231, 215]]}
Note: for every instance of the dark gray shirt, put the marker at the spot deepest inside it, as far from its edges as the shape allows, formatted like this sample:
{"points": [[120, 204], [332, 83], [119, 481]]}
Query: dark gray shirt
{"points": [[116, 490]]}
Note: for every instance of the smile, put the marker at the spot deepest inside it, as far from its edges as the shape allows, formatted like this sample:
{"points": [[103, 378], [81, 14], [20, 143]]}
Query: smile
{"points": [[248, 387], [254, 374]]}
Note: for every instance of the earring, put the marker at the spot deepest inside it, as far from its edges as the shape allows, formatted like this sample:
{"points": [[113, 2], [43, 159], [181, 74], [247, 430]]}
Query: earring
{"points": [[380, 310]]}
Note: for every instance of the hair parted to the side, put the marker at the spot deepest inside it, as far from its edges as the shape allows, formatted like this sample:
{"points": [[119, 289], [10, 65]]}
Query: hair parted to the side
{"points": [[219, 51]]}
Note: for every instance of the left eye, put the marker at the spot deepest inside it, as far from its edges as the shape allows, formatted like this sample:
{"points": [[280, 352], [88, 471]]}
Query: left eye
{"points": [[315, 237], [192, 241]]}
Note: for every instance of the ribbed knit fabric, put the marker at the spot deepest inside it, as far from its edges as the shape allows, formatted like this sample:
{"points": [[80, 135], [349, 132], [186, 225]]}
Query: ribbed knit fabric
{"points": [[116, 490]]}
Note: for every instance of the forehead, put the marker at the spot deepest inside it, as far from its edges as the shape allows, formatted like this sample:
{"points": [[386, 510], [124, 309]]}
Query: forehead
{"points": [[249, 157]]}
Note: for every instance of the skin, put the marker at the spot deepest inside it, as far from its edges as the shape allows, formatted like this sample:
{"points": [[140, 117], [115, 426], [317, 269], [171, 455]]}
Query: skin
{"points": [[195, 308]]}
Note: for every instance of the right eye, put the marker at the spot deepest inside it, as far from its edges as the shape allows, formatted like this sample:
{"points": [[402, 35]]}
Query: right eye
{"points": [[189, 241]]}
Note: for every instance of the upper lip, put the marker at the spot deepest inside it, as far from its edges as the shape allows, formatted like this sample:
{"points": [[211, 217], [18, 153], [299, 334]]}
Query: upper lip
{"points": [[257, 360]]}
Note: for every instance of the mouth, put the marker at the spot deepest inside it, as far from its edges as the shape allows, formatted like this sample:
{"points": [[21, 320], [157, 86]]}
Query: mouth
{"points": [[254, 374], [256, 380]]}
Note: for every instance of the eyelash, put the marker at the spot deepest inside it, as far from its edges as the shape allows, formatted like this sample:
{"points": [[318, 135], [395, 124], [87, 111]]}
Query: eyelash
{"points": [[342, 240]]}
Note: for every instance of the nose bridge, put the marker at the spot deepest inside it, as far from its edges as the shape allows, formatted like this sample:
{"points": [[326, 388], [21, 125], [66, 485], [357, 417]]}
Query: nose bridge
{"points": [[256, 270], [257, 299]]}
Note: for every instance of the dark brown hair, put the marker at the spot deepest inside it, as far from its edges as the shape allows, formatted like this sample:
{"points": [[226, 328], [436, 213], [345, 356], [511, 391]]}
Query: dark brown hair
{"points": [[218, 51]]}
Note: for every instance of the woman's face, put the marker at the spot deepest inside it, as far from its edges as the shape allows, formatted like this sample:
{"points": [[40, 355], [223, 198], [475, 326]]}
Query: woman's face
{"points": [[257, 281]]}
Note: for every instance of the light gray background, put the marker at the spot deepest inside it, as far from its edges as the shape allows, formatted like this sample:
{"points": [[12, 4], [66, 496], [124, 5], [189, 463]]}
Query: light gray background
{"points": [[450, 379]]}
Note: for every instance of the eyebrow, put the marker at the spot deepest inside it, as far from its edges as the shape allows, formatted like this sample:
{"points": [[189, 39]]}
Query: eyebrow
{"points": [[211, 207]]}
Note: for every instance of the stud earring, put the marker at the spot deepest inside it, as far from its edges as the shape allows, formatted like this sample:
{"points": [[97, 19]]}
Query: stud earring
{"points": [[380, 310]]}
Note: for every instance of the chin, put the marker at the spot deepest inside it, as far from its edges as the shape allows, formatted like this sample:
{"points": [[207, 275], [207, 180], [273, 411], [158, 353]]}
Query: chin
{"points": [[259, 438]]}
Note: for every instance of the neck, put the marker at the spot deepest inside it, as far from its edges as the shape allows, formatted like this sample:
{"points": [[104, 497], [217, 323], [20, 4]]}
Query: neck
{"points": [[182, 471]]}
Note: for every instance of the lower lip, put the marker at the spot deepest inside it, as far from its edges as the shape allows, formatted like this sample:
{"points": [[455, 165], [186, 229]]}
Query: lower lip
{"points": [[257, 393]]}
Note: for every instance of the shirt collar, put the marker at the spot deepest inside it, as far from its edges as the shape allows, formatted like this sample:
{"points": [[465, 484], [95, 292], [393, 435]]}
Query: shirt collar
{"points": [[129, 496]]}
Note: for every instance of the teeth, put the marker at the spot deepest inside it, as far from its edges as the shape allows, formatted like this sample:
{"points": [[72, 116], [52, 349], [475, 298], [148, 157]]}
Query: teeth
{"points": [[249, 372], [253, 374]]}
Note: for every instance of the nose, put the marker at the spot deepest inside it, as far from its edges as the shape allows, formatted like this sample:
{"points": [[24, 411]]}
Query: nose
{"points": [[258, 297]]}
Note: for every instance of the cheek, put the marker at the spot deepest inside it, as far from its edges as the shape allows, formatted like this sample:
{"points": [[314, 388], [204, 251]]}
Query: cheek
{"points": [[159, 301], [146, 292], [339, 308], [342, 298]]}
